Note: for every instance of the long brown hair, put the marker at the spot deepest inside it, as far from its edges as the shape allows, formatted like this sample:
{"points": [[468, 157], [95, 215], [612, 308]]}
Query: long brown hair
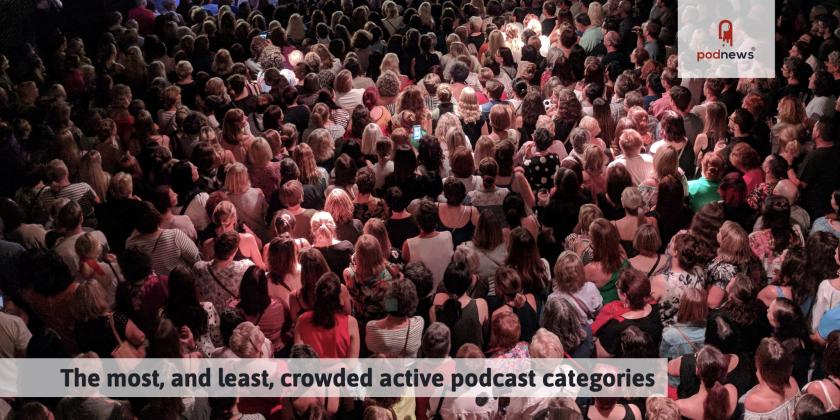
{"points": [[711, 369], [369, 261], [282, 258], [312, 266], [524, 256], [606, 247]]}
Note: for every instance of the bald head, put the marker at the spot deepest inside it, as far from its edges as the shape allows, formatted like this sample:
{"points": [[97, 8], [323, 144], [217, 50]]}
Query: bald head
{"points": [[786, 189]]}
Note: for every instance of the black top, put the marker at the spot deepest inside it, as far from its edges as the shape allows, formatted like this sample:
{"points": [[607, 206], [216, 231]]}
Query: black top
{"points": [[671, 223], [473, 129], [349, 230], [610, 334], [821, 173], [742, 376], [117, 219], [338, 256], [401, 229], [561, 214], [528, 318], [96, 335], [299, 116], [423, 64]]}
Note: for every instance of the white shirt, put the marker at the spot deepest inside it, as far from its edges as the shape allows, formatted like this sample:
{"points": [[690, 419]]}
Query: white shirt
{"points": [[349, 100], [14, 336], [639, 167]]}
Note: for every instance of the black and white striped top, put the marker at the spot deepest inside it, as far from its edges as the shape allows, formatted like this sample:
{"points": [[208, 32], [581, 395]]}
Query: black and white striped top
{"points": [[169, 249]]}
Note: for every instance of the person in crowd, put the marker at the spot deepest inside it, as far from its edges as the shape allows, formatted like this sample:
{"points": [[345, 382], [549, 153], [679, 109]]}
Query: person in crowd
{"points": [[172, 154]]}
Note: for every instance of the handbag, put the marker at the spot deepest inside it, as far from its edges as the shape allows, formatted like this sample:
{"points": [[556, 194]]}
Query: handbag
{"points": [[124, 349]]}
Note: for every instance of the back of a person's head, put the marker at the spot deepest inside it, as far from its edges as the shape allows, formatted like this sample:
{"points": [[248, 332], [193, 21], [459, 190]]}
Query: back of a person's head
{"points": [[436, 341], [70, 216], [45, 272], [226, 245]]}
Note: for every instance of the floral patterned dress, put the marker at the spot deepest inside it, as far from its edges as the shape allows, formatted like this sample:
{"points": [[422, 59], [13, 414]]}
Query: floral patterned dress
{"points": [[676, 284], [761, 243]]}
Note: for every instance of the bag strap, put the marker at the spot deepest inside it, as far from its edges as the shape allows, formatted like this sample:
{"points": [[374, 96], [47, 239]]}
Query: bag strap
{"points": [[112, 321], [154, 247], [213, 275], [407, 334], [582, 306], [655, 265], [188, 202], [685, 337]]}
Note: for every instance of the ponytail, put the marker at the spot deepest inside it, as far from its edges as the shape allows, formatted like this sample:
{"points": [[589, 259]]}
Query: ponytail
{"points": [[716, 406], [489, 169], [488, 181], [641, 218]]}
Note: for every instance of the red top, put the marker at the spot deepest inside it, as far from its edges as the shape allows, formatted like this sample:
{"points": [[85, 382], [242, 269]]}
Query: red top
{"points": [[145, 19], [333, 343]]}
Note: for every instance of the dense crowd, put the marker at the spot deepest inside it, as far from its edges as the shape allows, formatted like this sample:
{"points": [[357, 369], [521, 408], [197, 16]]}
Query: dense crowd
{"points": [[407, 178]]}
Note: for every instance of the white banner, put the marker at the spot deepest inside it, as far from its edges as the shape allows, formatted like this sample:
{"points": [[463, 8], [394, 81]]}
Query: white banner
{"points": [[358, 378]]}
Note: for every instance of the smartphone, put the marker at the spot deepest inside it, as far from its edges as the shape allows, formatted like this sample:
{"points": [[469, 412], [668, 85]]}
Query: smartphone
{"points": [[2, 302], [264, 35], [416, 133]]}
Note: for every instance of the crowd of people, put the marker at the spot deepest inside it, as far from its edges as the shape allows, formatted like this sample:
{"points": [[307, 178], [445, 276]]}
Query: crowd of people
{"points": [[409, 178]]}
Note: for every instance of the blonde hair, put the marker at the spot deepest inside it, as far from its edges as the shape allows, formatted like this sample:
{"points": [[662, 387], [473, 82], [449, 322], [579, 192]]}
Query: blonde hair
{"points": [[734, 245], [500, 118], [339, 205], [222, 62], [183, 69], [791, 110], [322, 225], [236, 179], [370, 136], [321, 142], [391, 62], [376, 227], [495, 40], [260, 153], [247, 340], [468, 108], [224, 214], [591, 125], [568, 273], [484, 148], [630, 140], [91, 301], [122, 185], [455, 138], [662, 408], [305, 159], [85, 244], [445, 122], [90, 171], [587, 214], [546, 345]]}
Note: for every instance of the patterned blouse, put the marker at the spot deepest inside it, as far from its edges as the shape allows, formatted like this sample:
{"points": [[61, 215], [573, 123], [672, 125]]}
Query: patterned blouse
{"points": [[761, 243], [675, 285], [756, 198], [720, 273]]}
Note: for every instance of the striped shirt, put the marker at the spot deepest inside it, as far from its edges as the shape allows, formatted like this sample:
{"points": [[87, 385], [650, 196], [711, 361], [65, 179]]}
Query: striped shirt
{"points": [[401, 342], [169, 249], [80, 192]]}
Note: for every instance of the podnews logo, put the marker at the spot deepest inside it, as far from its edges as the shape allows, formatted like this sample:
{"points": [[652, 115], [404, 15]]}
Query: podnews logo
{"points": [[726, 35]]}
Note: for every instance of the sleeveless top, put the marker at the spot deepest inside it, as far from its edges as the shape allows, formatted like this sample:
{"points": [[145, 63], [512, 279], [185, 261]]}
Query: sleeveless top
{"points": [[333, 343], [609, 292], [742, 377], [461, 234], [830, 407], [467, 329]]}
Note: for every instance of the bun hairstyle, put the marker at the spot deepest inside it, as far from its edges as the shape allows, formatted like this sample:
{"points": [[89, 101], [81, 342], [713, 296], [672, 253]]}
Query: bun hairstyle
{"points": [[520, 87], [688, 251], [774, 364], [488, 169], [457, 280], [711, 369], [322, 225], [283, 222], [631, 200], [509, 286]]}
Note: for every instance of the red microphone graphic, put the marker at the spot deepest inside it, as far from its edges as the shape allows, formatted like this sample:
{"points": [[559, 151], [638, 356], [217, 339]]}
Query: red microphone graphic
{"points": [[725, 31]]}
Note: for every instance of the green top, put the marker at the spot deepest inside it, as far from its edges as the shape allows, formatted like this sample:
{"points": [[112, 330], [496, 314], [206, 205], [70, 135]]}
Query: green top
{"points": [[609, 292], [702, 192]]}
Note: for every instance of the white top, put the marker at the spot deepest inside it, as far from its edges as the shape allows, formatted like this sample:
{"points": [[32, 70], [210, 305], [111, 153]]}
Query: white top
{"points": [[66, 249], [250, 209], [400, 342], [349, 100], [434, 252], [639, 167], [588, 295], [827, 298], [14, 336], [196, 211], [820, 106], [182, 223], [382, 171]]}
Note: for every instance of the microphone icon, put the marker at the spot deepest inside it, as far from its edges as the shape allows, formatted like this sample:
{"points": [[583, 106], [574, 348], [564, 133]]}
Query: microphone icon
{"points": [[725, 31]]}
